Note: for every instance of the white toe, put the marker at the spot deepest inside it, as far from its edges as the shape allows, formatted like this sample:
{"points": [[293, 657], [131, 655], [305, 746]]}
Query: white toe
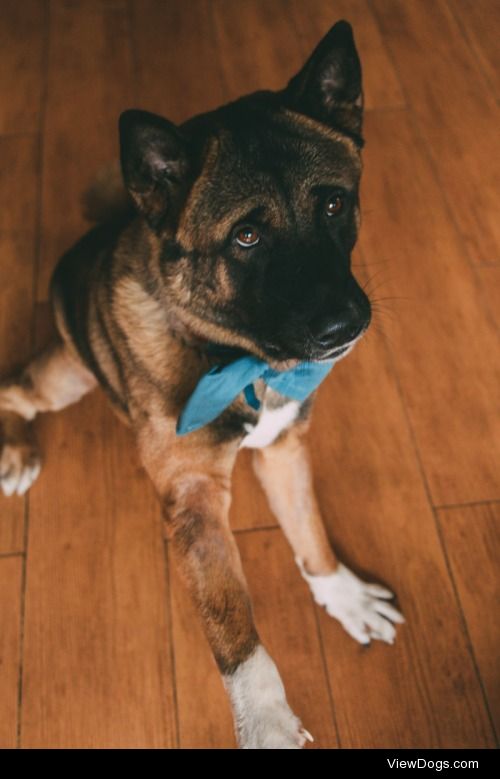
{"points": [[9, 485], [378, 591], [356, 630], [390, 612], [361, 608], [380, 628], [29, 475], [19, 467]]}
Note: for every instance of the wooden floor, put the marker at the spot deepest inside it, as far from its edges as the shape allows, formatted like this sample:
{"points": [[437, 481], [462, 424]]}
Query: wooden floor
{"points": [[99, 646]]}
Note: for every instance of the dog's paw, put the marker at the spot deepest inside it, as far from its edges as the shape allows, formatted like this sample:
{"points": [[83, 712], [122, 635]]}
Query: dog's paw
{"points": [[19, 467], [362, 609], [273, 726], [262, 716]]}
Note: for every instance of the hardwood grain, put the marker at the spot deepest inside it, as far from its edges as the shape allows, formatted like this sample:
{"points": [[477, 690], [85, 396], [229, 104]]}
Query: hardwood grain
{"points": [[249, 507], [203, 709], [23, 30], [252, 26], [480, 23], [97, 670], [490, 279], [423, 691], [285, 619], [90, 81], [472, 533], [380, 81], [443, 342], [457, 115], [284, 613], [10, 636], [18, 196], [177, 60]]}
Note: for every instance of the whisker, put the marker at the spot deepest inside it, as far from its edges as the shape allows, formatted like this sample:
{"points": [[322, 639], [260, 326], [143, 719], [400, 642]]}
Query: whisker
{"points": [[377, 329], [370, 264], [389, 314], [377, 286], [372, 278], [393, 297]]}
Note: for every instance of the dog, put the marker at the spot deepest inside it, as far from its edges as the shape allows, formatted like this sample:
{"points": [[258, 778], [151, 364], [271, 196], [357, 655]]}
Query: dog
{"points": [[209, 302]]}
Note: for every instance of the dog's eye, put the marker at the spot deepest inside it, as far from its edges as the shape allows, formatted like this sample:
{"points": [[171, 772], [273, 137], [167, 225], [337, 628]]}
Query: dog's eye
{"points": [[334, 205], [247, 237]]}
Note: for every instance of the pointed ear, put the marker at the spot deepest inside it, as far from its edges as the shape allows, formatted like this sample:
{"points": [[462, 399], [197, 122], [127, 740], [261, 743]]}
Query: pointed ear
{"points": [[328, 87], [155, 164]]}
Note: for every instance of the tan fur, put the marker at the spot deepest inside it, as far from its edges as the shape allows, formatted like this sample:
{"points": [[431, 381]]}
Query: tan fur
{"points": [[327, 132], [284, 470], [52, 381]]}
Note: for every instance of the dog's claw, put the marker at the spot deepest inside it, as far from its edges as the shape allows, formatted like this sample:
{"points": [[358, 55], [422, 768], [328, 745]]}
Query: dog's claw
{"points": [[307, 735]]}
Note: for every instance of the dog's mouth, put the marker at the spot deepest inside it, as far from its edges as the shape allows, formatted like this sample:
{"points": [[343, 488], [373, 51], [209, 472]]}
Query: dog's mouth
{"points": [[282, 359], [337, 352]]}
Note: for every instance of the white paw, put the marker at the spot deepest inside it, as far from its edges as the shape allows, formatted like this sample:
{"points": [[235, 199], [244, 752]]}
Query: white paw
{"points": [[272, 727], [19, 467], [361, 608], [262, 716]]}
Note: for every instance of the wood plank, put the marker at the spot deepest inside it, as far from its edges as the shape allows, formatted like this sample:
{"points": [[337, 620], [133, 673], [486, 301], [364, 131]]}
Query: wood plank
{"points": [[285, 618], [284, 33], [314, 18], [457, 115], [286, 622], [423, 691], [472, 538], [443, 342], [97, 670], [261, 48], [18, 195], [203, 709], [249, 507], [10, 646], [177, 60], [90, 81], [23, 33], [480, 23], [490, 279]]}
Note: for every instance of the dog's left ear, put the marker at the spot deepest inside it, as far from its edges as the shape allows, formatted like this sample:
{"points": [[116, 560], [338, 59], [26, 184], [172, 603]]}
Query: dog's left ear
{"points": [[155, 164], [328, 87]]}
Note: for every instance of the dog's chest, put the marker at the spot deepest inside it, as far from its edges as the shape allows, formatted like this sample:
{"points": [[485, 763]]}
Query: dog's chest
{"points": [[271, 422]]}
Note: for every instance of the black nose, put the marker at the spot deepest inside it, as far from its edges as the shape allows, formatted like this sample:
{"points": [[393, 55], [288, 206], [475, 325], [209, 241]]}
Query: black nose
{"points": [[330, 331]]}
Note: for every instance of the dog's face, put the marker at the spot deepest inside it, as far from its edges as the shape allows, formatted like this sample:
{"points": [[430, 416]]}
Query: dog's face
{"points": [[253, 210]]}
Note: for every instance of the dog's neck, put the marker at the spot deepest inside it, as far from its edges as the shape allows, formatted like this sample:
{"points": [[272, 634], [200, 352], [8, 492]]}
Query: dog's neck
{"points": [[183, 333]]}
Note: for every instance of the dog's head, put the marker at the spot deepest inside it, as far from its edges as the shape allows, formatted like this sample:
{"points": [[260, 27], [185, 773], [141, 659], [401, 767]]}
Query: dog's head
{"points": [[253, 210]]}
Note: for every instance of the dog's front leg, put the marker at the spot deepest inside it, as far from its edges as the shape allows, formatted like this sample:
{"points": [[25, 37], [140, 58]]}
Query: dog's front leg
{"points": [[194, 486], [285, 473]]}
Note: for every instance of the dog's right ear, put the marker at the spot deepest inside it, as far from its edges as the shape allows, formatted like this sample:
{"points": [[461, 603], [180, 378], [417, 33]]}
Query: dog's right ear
{"points": [[329, 87], [155, 164]]}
